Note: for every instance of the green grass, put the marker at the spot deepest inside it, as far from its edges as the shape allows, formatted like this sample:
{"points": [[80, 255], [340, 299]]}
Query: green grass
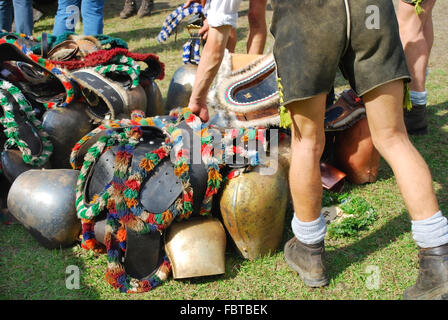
{"points": [[29, 271]]}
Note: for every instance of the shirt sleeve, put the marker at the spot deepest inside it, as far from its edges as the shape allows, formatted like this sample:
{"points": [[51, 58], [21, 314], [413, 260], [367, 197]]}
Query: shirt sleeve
{"points": [[222, 12]]}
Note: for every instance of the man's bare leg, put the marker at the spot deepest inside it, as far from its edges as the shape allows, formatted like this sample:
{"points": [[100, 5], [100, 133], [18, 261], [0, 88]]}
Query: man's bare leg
{"points": [[307, 145], [257, 27], [417, 37], [384, 108], [305, 252], [416, 33], [231, 42], [429, 226]]}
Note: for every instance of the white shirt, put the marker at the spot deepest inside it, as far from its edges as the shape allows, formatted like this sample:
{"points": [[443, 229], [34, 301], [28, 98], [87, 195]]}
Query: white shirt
{"points": [[222, 12]]}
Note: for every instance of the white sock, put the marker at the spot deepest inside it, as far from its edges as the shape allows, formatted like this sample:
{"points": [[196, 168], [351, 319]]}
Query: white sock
{"points": [[309, 232], [419, 98], [431, 232]]}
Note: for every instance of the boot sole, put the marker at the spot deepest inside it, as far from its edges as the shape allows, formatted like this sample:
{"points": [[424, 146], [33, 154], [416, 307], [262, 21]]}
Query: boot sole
{"points": [[309, 282], [439, 293]]}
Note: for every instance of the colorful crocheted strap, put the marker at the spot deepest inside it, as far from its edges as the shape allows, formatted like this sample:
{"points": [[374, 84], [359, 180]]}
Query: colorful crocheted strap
{"points": [[110, 124], [149, 222], [12, 128], [117, 277], [118, 217], [80, 143], [90, 211], [175, 17], [131, 72], [182, 171], [100, 202], [192, 45], [128, 61], [146, 165]]}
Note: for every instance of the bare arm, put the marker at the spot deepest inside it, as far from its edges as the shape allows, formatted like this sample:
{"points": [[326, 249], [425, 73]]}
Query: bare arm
{"points": [[209, 64]]}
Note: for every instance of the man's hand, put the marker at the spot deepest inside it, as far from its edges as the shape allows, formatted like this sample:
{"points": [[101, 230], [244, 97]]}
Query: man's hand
{"points": [[203, 32], [200, 110], [208, 67], [204, 29]]}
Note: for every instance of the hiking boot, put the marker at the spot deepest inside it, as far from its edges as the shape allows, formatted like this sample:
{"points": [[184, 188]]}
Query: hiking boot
{"points": [[308, 261], [416, 120], [129, 9], [145, 8], [432, 281]]}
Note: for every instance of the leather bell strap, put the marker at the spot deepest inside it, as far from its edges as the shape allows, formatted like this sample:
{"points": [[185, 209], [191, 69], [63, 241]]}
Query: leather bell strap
{"points": [[94, 86]]}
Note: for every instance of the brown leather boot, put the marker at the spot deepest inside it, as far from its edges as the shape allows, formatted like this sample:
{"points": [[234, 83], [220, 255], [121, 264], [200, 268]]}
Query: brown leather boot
{"points": [[432, 281], [129, 9], [307, 261], [416, 120], [145, 8]]}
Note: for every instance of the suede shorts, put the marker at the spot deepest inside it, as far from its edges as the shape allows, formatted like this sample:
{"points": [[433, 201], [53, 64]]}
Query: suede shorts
{"points": [[315, 37]]}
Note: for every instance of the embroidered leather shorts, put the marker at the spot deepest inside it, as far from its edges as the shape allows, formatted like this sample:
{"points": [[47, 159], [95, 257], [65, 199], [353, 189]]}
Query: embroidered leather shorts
{"points": [[314, 37]]}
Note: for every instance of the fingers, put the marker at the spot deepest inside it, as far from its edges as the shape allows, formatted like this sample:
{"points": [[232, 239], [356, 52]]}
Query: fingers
{"points": [[204, 30], [201, 112]]}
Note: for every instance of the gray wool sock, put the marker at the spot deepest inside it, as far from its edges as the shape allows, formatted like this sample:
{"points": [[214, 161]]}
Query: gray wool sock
{"points": [[419, 98], [309, 232], [431, 232]]}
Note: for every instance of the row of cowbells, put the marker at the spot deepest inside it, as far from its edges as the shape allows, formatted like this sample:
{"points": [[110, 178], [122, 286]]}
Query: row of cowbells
{"points": [[65, 126], [252, 207]]}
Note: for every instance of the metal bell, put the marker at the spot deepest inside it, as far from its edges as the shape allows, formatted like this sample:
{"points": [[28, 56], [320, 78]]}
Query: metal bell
{"points": [[65, 126], [154, 99], [44, 202], [136, 100], [181, 86], [13, 164], [253, 208], [196, 247]]}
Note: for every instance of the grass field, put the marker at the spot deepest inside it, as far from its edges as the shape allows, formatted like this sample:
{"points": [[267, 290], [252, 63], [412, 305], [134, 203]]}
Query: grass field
{"points": [[28, 271]]}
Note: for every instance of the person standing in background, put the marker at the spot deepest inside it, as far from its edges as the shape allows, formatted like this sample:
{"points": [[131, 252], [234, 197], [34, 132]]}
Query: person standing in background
{"points": [[257, 29], [130, 8], [23, 15], [68, 13], [417, 37]]}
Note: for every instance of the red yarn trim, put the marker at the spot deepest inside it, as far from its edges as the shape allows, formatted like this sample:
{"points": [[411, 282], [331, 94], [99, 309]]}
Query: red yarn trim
{"points": [[102, 56]]}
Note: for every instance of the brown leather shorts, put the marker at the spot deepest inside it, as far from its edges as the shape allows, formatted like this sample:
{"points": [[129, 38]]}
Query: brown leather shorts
{"points": [[315, 37]]}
